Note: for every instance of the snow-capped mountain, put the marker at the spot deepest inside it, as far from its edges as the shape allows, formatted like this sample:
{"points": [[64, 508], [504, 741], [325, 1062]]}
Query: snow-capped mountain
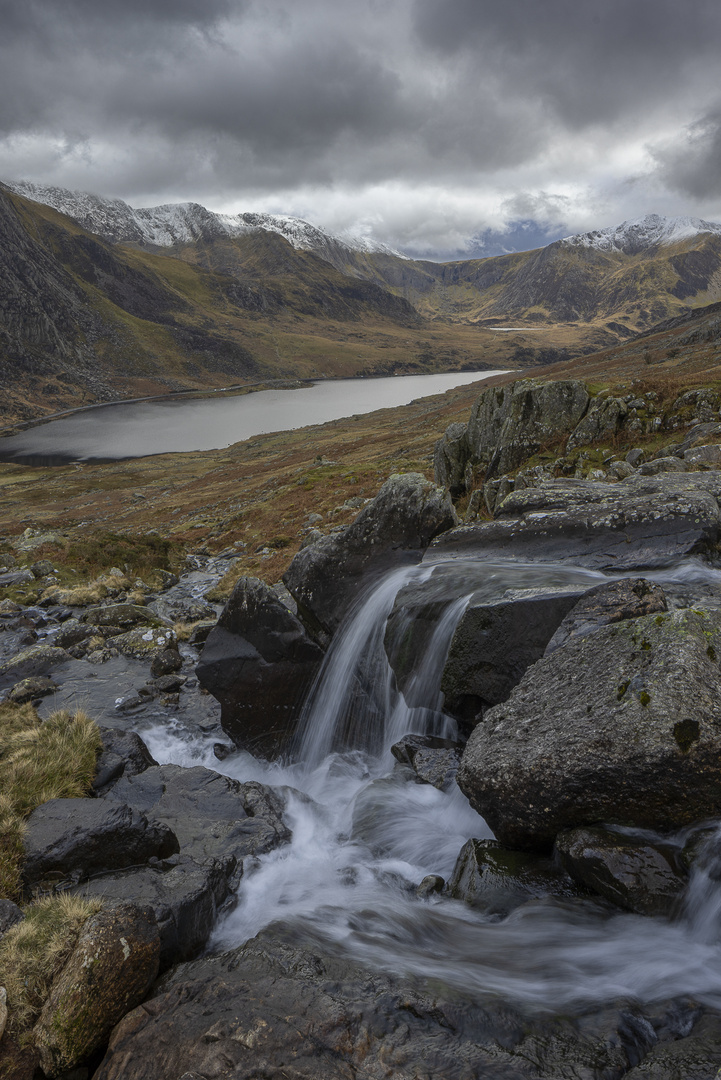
{"points": [[632, 237], [184, 223]]}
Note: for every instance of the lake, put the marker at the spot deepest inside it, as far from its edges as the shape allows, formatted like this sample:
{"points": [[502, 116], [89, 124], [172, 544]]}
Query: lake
{"points": [[138, 429]]}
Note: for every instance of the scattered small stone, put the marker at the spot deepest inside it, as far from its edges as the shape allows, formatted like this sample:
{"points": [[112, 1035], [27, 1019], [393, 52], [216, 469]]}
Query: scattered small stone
{"points": [[635, 457], [42, 568], [10, 914], [223, 750], [431, 885], [166, 662]]}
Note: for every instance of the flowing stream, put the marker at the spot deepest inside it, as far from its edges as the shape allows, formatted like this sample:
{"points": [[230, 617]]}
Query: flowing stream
{"points": [[364, 834]]}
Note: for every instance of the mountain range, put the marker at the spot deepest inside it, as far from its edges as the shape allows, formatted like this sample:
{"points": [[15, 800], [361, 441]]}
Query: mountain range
{"points": [[100, 301]]}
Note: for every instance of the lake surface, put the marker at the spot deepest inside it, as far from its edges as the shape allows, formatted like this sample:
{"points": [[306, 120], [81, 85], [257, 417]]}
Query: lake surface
{"points": [[128, 430]]}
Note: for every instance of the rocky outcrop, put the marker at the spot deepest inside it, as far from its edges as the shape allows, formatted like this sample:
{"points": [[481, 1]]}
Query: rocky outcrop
{"points": [[641, 522], [434, 760], [258, 662], [621, 726], [507, 425], [108, 973], [395, 528]]}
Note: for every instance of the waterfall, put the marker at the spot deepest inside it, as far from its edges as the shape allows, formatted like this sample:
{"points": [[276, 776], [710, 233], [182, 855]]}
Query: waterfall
{"points": [[353, 704]]}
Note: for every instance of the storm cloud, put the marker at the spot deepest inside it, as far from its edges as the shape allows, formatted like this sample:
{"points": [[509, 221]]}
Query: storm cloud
{"points": [[440, 126]]}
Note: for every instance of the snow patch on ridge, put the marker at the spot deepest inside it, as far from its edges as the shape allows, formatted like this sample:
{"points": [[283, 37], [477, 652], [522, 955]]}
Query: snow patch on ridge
{"points": [[650, 231], [185, 223]]}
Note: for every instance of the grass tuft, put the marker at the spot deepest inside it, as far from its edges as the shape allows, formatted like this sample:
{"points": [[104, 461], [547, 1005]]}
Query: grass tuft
{"points": [[39, 761]]}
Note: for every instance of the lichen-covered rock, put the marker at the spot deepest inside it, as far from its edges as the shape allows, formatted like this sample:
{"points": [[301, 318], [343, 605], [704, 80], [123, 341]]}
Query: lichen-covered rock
{"points": [[395, 528], [38, 686], [125, 616], [662, 465], [635, 874], [144, 642], [259, 662], [703, 457], [621, 726], [31, 662], [497, 880], [508, 424], [109, 972], [607, 603]]}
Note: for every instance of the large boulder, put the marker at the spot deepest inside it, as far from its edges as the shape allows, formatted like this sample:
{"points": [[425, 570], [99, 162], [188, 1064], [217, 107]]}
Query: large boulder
{"points": [[67, 837], [620, 726], [509, 424], [395, 528], [641, 522], [276, 1009], [259, 662], [108, 973]]}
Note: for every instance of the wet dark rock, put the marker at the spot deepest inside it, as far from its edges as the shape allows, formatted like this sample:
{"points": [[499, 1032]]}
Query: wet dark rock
{"points": [[123, 754], [31, 662], [110, 970], [497, 879], [184, 896], [213, 816], [38, 686], [431, 885], [218, 822], [10, 914], [434, 760], [608, 603], [495, 643], [394, 529], [622, 726], [200, 633], [259, 662], [639, 523], [634, 874], [695, 1056], [277, 1009], [84, 836]]}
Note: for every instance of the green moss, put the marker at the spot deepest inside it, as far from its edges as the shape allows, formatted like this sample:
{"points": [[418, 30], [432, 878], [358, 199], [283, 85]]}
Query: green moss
{"points": [[644, 697], [711, 652], [686, 732], [622, 688]]}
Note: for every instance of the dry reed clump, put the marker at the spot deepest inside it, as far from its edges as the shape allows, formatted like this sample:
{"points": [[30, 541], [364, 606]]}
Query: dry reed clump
{"points": [[33, 952], [39, 761]]}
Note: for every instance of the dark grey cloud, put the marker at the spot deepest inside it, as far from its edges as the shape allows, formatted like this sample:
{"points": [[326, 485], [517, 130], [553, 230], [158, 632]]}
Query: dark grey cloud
{"points": [[691, 164], [538, 106]]}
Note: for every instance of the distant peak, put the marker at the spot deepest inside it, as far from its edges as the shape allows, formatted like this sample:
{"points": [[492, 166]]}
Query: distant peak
{"points": [[642, 233], [184, 223]]}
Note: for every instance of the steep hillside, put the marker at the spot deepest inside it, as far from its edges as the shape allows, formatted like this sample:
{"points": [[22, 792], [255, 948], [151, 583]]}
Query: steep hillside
{"points": [[83, 320]]}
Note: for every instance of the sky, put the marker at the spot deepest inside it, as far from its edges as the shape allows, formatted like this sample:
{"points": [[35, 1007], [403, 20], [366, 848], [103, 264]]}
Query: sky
{"points": [[445, 128]]}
